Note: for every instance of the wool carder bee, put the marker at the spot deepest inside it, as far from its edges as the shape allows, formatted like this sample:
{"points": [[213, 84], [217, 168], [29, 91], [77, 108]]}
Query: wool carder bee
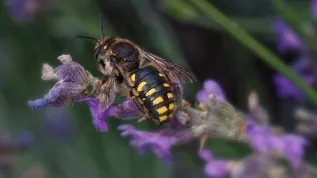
{"points": [[153, 82]]}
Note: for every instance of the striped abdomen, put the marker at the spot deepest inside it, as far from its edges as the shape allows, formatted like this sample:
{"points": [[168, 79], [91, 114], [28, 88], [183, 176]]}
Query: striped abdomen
{"points": [[155, 94]]}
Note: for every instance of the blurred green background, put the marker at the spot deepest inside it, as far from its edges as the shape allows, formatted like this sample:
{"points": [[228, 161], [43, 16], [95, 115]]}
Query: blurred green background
{"points": [[66, 144]]}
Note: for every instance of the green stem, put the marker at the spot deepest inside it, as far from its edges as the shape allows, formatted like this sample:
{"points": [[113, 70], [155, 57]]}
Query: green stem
{"points": [[257, 48]]}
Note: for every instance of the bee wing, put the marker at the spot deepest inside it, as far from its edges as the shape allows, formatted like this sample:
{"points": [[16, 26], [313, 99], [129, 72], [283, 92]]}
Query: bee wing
{"points": [[107, 92], [176, 73]]}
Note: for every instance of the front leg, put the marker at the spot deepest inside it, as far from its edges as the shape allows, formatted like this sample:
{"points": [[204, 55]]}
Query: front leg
{"points": [[126, 77]]}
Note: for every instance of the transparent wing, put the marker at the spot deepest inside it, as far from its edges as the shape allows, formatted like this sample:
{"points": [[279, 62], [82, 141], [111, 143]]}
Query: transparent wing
{"points": [[176, 73]]}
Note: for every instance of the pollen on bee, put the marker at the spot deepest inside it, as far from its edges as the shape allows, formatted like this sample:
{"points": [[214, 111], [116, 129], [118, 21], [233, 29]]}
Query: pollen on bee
{"points": [[163, 118], [158, 100], [133, 77], [171, 116], [171, 106], [162, 110], [140, 86], [166, 85], [150, 92], [161, 75], [105, 47], [170, 95]]}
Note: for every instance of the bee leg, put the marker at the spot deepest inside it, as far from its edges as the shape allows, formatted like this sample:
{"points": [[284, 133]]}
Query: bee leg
{"points": [[202, 141], [144, 118], [130, 83]]}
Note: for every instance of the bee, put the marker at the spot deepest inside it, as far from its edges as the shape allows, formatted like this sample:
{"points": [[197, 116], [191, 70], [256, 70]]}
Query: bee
{"points": [[154, 83]]}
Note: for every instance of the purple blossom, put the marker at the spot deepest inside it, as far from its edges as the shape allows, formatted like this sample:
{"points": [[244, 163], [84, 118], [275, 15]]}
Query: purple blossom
{"points": [[314, 8], [213, 167], [210, 87], [159, 142], [285, 88], [126, 110], [22, 10], [287, 39], [291, 146], [72, 80]]}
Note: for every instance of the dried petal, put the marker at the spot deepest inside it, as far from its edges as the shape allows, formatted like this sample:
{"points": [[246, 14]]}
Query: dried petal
{"points": [[48, 72], [65, 59]]}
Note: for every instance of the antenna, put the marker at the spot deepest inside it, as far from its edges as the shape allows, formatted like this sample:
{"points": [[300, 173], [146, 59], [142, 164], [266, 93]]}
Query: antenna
{"points": [[101, 26], [86, 37]]}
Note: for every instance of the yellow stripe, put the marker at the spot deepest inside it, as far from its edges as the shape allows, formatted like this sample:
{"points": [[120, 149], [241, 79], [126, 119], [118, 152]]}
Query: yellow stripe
{"points": [[162, 110], [170, 95], [166, 85], [162, 118], [158, 100], [141, 85], [105, 47], [133, 77], [171, 116], [171, 106], [160, 74], [150, 92]]}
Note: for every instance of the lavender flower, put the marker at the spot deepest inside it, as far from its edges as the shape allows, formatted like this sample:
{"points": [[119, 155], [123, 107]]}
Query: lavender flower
{"points": [[72, 80], [256, 165], [210, 87], [291, 146], [159, 142], [22, 10], [287, 39], [219, 120], [304, 68], [213, 167]]}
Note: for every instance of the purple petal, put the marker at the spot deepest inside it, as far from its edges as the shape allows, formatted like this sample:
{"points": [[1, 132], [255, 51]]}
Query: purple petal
{"points": [[286, 38], [210, 87], [126, 110], [259, 138], [214, 167], [98, 117], [38, 104], [159, 142], [293, 148], [206, 155], [286, 88]]}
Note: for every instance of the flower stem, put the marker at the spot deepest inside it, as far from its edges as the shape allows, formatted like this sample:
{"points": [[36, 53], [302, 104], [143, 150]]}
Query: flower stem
{"points": [[257, 48]]}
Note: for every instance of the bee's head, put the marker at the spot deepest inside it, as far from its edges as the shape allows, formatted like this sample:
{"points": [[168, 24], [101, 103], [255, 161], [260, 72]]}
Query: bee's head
{"points": [[102, 47]]}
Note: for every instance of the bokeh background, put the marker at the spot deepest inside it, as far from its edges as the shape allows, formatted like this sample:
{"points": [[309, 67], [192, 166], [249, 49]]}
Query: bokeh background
{"points": [[64, 141]]}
